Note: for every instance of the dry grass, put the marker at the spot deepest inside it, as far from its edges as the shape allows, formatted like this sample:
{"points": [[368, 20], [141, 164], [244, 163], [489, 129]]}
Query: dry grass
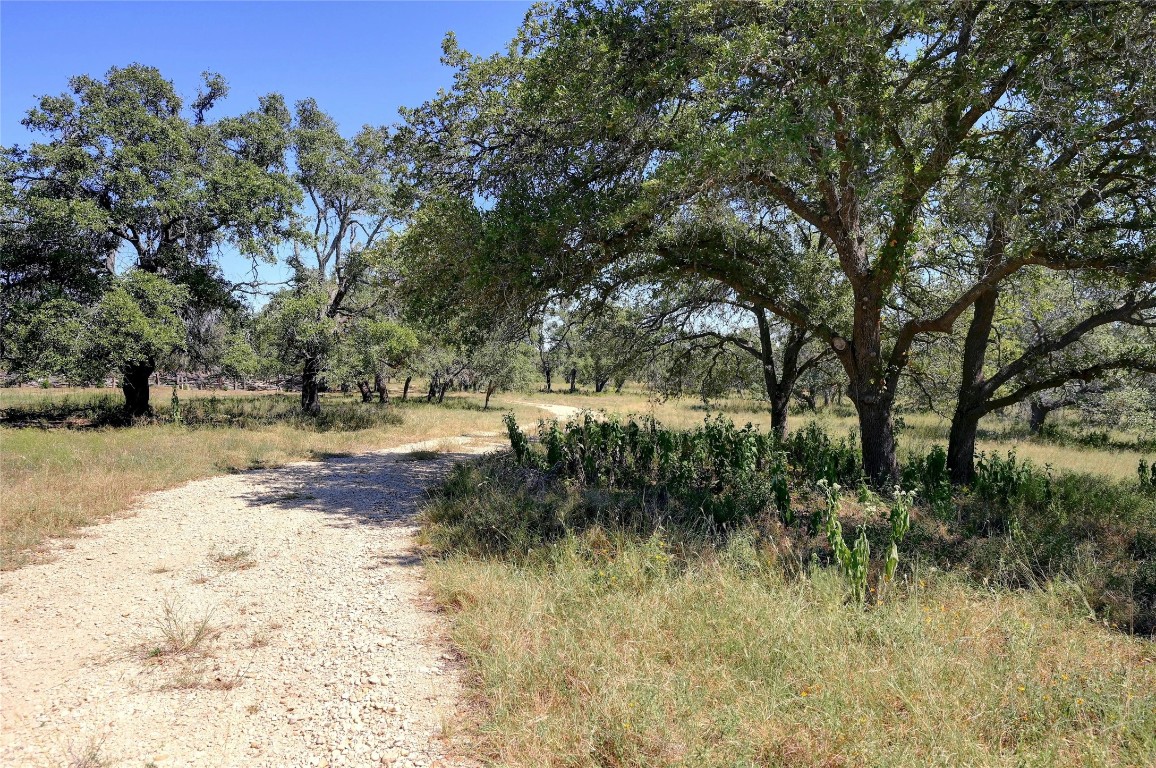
{"points": [[54, 480], [237, 560], [89, 755], [181, 632], [628, 662]]}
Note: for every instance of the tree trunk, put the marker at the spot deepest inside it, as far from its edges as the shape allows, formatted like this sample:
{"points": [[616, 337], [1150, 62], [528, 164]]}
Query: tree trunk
{"points": [[433, 389], [961, 447], [778, 392], [877, 435], [382, 390], [405, 389], [779, 404], [366, 392], [969, 402], [549, 376], [573, 380], [489, 391], [310, 386], [1039, 412], [599, 385], [135, 385], [442, 391]]}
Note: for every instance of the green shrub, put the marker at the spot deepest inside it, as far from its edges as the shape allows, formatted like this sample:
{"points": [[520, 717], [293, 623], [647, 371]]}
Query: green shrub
{"points": [[927, 476]]}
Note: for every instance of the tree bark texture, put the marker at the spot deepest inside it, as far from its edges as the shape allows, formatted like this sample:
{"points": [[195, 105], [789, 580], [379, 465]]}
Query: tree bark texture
{"points": [[311, 386], [135, 385]]}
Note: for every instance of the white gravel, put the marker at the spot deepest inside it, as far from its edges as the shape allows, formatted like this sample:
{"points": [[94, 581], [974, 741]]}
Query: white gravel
{"points": [[327, 650]]}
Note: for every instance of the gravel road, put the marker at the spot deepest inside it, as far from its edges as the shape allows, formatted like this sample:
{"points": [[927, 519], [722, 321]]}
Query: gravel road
{"points": [[322, 647]]}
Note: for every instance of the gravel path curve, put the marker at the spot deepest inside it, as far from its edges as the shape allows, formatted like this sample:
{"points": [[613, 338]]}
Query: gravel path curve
{"points": [[557, 411], [321, 647]]}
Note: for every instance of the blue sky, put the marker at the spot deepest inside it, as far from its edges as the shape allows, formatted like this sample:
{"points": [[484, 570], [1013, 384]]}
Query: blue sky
{"points": [[360, 60]]}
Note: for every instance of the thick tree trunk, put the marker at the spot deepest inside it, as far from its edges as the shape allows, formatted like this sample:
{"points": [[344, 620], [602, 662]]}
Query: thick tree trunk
{"points": [[135, 385], [549, 378], [310, 386], [442, 391], [877, 431], [366, 392], [382, 390], [405, 389], [600, 384], [573, 380], [961, 447], [433, 389]]}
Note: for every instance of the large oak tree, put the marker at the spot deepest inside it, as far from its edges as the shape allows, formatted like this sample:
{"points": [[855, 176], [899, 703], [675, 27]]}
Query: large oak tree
{"points": [[604, 121]]}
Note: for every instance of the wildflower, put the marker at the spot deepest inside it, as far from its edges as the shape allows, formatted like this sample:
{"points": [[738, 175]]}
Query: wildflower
{"points": [[1021, 688]]}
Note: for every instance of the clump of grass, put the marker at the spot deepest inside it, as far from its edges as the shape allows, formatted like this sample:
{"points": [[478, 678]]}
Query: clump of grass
{"points": [[89, 756], [423, 454], [237, 560], [181, 632]]}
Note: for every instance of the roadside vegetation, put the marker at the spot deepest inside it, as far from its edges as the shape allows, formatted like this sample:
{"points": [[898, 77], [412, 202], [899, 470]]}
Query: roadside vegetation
{"points": [[628, 595]]}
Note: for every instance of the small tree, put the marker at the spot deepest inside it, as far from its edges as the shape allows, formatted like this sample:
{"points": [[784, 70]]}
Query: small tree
{"points": [[135, 328]]}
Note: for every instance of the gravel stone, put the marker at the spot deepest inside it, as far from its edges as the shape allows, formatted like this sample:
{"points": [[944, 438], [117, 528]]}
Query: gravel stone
{"points": [[327, 650]]}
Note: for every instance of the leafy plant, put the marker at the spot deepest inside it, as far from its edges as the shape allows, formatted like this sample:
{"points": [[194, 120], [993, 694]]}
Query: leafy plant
{"points": [[1147, 474]]}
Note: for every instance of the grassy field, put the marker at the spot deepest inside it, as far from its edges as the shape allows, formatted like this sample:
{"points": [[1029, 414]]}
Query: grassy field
{"points": [[598, 636], [609, 655], [54, 480]]}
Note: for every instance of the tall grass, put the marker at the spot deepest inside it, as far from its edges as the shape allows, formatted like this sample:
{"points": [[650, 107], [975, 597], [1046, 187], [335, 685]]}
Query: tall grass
{"points": [[611, 652]]}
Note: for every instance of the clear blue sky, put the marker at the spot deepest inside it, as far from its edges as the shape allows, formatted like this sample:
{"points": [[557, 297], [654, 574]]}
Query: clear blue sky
{"points": [[360, 60]]}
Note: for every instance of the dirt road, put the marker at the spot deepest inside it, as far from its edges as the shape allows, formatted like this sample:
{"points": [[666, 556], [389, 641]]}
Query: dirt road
{"points": [[319, 646]]}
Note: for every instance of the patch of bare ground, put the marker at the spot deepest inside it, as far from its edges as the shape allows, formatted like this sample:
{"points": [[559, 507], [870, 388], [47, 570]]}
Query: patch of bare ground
{"points": [[268, 618]]}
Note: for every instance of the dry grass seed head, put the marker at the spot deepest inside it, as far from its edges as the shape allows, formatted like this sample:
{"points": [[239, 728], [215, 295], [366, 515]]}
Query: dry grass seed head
{"points": [[182, 633]]}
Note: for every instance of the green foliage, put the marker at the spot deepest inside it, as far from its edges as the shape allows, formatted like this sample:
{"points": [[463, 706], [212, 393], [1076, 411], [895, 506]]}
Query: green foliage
{"points": [[816, 456], [1146, 475], [1003, 483], [716, 474], [137, 321], [928, 476], [1098, 533], [233, 412], [294, 326]]}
